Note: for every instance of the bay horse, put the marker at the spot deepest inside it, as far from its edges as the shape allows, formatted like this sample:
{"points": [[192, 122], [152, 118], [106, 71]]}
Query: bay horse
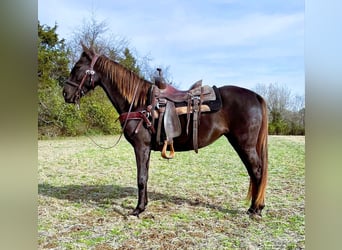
{"points": [[242, 120]]}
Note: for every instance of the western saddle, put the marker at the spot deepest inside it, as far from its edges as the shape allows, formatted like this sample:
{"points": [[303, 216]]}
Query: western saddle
{"points": [[167, 103]]}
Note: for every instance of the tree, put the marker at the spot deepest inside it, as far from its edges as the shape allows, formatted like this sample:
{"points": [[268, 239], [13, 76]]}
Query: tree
{"points": [[52, 72], [129, 62], [52, 56], [93, 33], [286, 113]]}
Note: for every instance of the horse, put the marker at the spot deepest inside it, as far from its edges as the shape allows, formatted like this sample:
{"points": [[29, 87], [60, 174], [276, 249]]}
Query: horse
{"points": [[242, 119]]}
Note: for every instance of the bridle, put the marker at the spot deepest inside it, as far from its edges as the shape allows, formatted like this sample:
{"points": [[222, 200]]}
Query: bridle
{"points": [[88, 73]]}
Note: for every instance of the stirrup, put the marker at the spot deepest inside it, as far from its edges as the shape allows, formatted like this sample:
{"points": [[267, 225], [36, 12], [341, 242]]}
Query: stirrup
{"points": [[172, 150]]}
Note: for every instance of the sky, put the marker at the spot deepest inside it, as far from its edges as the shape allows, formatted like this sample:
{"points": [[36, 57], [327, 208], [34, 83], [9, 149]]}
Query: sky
{"points": [[222, 42]]}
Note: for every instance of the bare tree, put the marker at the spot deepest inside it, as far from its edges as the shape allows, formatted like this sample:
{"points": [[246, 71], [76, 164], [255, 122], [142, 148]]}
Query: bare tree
{"points": [[94, 33], [298, 103], [286, 112], [278, 96]]}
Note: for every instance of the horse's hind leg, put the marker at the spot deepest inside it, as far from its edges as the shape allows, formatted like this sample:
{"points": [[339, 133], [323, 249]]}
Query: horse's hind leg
{"points": [[257, 170]]}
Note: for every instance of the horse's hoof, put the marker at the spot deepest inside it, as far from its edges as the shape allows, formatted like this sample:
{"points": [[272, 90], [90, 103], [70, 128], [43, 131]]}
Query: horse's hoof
{"points": [[254, 214], [136, 212], [256, 217]]}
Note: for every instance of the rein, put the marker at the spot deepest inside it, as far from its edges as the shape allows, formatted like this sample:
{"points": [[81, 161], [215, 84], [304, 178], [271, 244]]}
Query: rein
{"points": [[124, 117]]}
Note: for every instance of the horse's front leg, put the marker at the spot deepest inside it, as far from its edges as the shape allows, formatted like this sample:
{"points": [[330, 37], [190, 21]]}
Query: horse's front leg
{"points": [[142, 155]]}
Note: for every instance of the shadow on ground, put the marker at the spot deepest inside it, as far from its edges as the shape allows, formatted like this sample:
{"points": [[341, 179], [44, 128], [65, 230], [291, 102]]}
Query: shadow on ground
{"points": [[109, 194]]}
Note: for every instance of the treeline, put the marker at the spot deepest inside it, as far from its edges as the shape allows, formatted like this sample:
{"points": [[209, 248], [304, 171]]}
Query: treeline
{"points": [[96, 114], [286, 112]]}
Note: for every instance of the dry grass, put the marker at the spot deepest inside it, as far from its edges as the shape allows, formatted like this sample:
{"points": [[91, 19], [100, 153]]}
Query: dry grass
{"points": [[197, 201]]}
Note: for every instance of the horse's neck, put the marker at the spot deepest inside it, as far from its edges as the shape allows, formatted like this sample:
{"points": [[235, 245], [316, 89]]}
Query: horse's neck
{"points": [[119, 102], [120, 85]]}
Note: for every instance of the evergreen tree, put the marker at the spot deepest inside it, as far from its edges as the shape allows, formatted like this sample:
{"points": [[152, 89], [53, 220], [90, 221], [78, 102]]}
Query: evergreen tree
{"points": [[52, 72], [52, 56], [129, 62]]}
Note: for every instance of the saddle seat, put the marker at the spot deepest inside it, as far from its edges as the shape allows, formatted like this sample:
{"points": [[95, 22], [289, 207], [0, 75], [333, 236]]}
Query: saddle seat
{"points": [[205, 93], [179, 95]]}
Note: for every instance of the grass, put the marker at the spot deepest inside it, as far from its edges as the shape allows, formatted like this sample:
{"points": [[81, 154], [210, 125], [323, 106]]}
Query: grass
{"points": [[196, 201]]}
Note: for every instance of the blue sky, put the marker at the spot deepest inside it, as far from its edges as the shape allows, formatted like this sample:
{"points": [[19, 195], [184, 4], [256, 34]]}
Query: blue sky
{"points": [[222, 42]]}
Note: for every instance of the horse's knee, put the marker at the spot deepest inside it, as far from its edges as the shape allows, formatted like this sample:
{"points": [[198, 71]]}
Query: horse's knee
{"points": [[141, 183]]}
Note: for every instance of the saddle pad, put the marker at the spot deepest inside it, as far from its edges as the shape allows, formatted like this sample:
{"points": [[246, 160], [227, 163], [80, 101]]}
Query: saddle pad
{"points": [[184, 110], [214, 104]]}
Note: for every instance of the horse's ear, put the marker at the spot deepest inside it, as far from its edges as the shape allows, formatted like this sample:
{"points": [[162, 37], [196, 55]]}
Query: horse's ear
{"points": [[85, 49], [88, 51]]}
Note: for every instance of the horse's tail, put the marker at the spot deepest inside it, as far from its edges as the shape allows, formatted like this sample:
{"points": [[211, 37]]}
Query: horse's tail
{"points": [[262, 152]]}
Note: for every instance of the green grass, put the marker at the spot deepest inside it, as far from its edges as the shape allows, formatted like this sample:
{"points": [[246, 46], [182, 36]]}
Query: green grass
{"points": [[196, 201]]}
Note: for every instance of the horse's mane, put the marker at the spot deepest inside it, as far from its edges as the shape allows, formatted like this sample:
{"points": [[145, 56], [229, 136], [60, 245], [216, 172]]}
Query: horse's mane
{"points": [[126, 81]]}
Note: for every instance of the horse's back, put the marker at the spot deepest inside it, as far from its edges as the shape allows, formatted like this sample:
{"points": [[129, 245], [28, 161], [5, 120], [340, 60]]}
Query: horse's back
{"points": [[237, 100], [231, 92]]}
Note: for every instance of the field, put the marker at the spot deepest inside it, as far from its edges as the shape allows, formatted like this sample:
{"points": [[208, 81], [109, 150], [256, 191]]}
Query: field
{"points": [[196, 201]]}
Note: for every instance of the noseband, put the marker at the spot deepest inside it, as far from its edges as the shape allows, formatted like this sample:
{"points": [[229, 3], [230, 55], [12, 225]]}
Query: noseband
{"points": [[88, 73]]}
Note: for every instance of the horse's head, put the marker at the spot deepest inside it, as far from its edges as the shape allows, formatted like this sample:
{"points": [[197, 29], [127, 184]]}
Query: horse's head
{"points": [[82, 78]]}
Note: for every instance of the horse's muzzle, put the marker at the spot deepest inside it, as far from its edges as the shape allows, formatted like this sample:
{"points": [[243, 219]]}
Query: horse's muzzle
{"points": [[68, 98]]}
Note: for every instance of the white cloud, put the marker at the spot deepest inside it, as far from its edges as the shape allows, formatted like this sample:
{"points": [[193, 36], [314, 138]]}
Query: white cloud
{"points": [[197, 42]]}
